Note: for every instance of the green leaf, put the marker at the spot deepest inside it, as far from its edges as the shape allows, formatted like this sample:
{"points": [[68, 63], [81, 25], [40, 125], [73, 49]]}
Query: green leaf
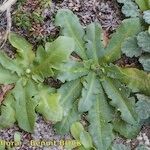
{"points": [[24, 49], [86, 139], [56, 54], [76, 129], [146, 16], [59, 50], [7, 77], [2, 146], [123, 1], [73, 115], [142, 106], [25, 105], [99, 116], [127, 130], [130, 9], [143, 41], [69, 103], [131, 48], [143, 4], [137, 80], [68, 98], [91, 89], [40, 54], [119, 147], [73, 144], [81, 148], [70, 26], [142, 147], [78, 132], [113, 71], [72, 70], [7, 117], [49, 105], [94, 45], [120, 99], [17, 136], [9, 64], [145, 61], [128, 28]]}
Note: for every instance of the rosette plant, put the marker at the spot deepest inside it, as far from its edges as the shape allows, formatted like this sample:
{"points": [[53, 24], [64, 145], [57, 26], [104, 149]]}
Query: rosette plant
{"points": [[95, 87], [27, 72], [138, 46], [97, 99]]}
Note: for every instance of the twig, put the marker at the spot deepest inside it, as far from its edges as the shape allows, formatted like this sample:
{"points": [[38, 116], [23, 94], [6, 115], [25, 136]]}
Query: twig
{"points": [[6, 6], [4, 90], [8, 28]]}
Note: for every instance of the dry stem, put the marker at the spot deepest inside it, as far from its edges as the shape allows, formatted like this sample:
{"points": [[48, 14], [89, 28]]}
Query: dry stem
{"points": [[6, 6]]}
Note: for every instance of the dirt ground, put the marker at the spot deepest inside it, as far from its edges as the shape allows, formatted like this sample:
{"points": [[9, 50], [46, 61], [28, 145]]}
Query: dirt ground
{"points": [[108, 14]]}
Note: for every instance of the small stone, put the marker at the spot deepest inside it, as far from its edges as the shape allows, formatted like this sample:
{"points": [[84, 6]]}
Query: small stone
{"points": [[139, 138]]}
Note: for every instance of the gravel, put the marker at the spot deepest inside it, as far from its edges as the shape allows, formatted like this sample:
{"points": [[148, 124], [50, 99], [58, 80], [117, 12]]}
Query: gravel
{"points": [[43, 132], [106, 12], [142, 139]]}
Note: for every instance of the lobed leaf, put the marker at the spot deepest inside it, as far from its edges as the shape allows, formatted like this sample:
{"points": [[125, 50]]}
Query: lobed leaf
{"points": [[131, 48], [49, 105], [69, 92], [145, 61], [70, 26], [146, 16], [130, 9], [69, 103], [99, 116], [143, 41], [8, 116], [56, 54], [9, 64], [73, 115], [142, 106], [72, 70], [40, 54], [113, 71], [24, 49], [120, 100], [137, 80], [129, 131], [128, 28], [93, 38], [89, 92], [7, 77], [25, 105]]}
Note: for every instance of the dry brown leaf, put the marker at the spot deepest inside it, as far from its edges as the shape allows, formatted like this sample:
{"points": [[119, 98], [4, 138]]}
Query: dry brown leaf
{"points": [[105, 38], [4, 90]]}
